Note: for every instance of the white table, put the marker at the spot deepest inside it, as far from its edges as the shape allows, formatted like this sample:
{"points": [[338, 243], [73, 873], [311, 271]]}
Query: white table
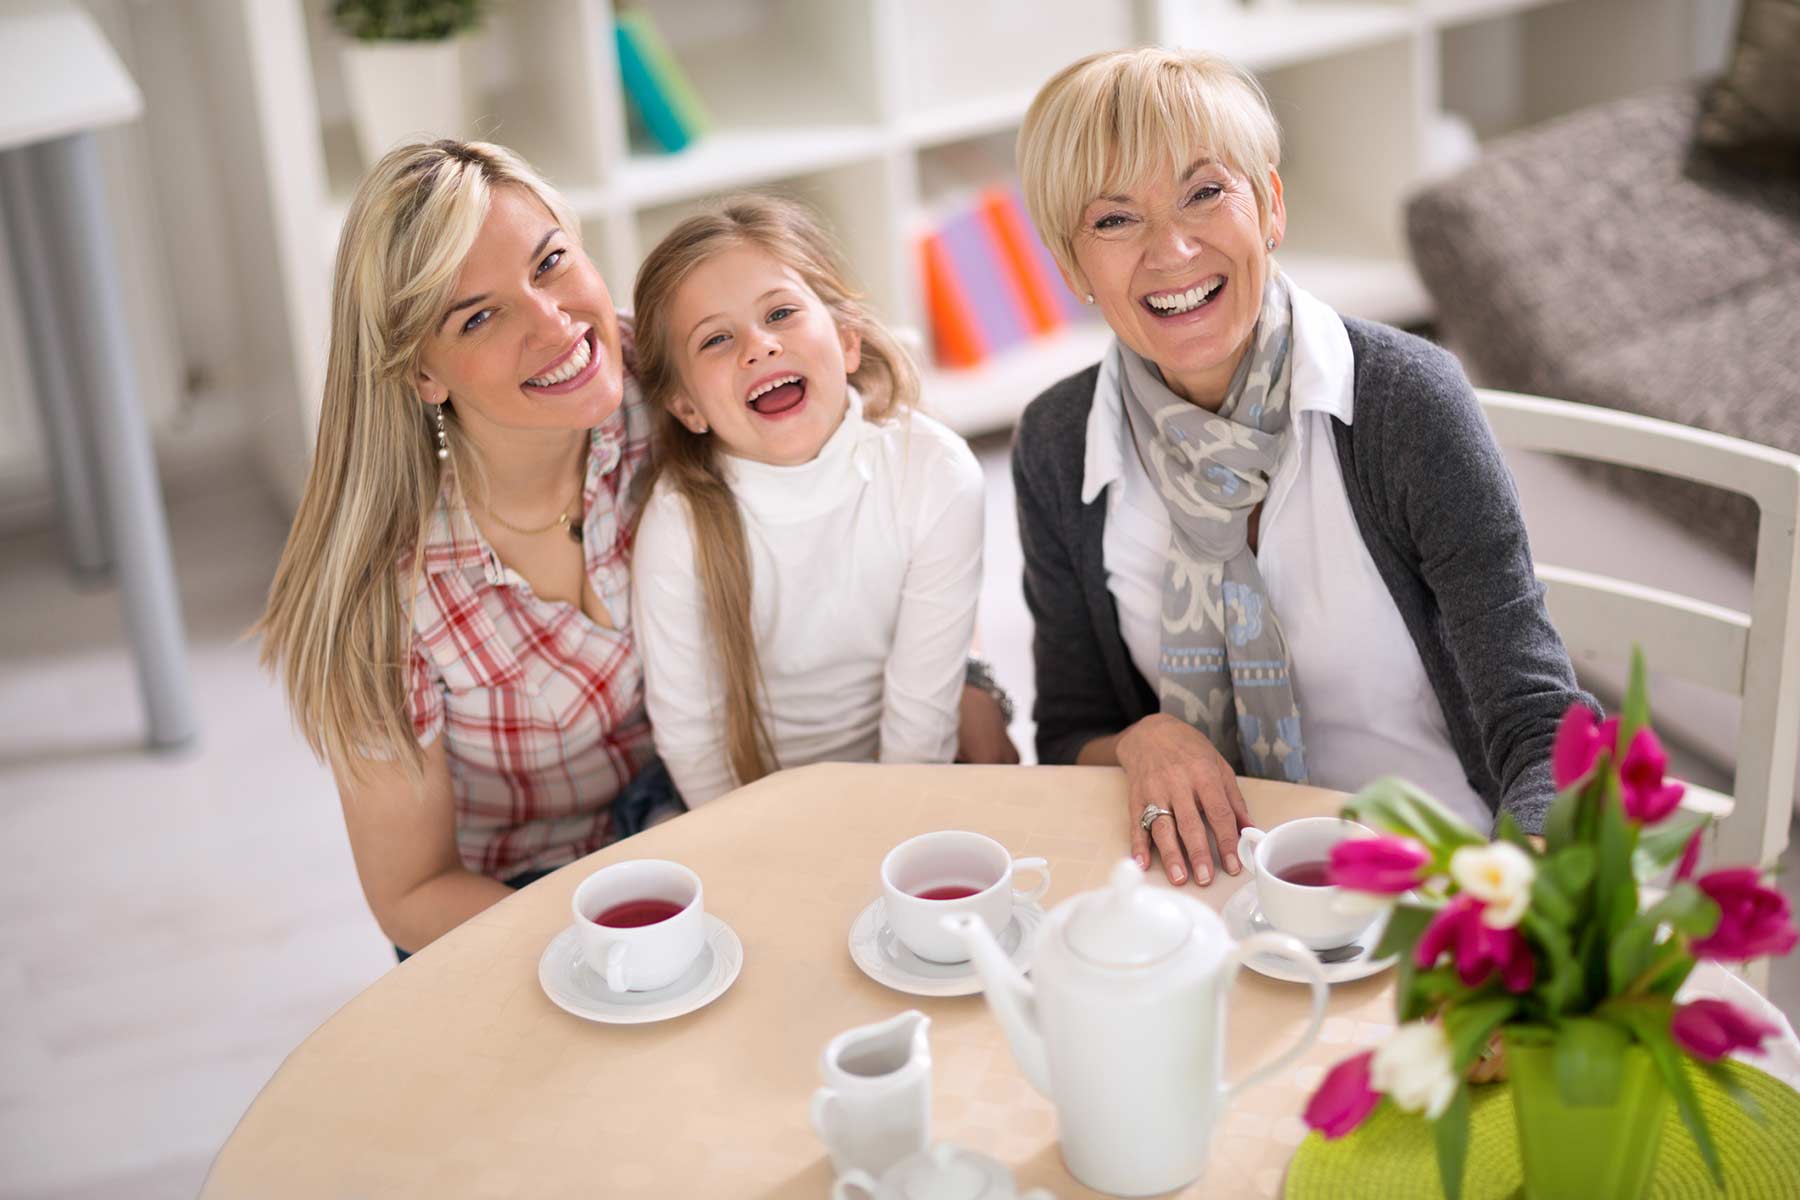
{"points": [[59, 82]]}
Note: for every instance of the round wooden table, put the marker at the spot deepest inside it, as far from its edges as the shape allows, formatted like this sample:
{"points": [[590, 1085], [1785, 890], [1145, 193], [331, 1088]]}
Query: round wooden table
{"points": [[454, 1075]]}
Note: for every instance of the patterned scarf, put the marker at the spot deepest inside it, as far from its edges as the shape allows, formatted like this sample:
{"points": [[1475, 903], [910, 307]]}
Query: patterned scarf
{"points": [[1224, 662]]}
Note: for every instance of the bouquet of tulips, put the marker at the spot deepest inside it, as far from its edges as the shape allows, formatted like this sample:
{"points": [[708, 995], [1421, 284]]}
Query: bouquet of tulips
{"points": [[1548, 941]]}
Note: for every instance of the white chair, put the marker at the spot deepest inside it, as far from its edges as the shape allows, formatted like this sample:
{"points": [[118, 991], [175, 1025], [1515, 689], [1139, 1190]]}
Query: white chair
{"points": [[1754, 655]]}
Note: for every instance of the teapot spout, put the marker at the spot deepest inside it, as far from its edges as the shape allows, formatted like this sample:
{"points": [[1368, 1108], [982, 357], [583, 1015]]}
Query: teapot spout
{"points": [[1009, 996]]}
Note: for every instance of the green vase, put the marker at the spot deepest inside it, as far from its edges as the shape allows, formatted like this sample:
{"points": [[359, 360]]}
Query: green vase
{"points": [[1586, 1152]]}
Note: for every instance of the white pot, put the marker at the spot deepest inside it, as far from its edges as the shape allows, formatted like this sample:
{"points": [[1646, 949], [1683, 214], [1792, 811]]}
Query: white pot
{"points": [[399, 90]]}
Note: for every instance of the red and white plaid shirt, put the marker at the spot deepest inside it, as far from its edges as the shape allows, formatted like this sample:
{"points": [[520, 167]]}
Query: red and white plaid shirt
{"points": [[542, 710]]}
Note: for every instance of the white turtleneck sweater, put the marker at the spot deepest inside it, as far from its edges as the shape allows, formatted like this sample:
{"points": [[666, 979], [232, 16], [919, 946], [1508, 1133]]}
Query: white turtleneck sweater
{"points": [[865, 568]]}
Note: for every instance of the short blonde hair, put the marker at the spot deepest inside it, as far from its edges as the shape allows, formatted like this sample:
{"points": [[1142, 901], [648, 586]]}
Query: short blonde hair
{"points": [[1102, 124]]}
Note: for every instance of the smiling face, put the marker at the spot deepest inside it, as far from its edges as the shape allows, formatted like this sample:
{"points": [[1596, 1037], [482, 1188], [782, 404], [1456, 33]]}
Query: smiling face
{"points": [[762, 361], [530, 340], [1176, 263]]}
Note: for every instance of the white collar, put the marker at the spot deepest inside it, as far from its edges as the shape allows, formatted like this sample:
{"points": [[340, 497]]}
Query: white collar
{"points": [[1324, 381], [781, 494]]}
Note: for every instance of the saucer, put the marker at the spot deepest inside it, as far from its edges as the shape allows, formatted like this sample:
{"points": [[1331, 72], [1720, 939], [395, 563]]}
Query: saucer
{"points": [[882, 957], [576, 989], [1242, 919]]}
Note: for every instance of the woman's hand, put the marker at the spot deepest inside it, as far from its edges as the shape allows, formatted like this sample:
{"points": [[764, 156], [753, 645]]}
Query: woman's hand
{"points": [[981, 729], [1172, 765]]}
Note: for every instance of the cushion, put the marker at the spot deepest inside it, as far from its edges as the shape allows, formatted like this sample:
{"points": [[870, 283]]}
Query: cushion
{"points": [[1752, 113]]}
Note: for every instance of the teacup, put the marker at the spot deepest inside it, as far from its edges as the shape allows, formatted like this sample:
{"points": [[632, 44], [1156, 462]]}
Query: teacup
{"points": [[937, 875], [658, 909], [1287, 865]]}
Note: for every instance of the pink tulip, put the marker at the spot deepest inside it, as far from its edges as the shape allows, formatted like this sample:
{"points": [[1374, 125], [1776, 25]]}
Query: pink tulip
{"points": [[1345, 1099], [1754, 918], [1648, 798], [1579, 740], [1479, 949], [1387, 865], [1711, 1029], [1690, 857]]}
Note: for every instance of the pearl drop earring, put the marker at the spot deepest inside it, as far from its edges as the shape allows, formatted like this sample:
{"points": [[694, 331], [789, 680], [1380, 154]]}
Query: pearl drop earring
{"points": [[443, 450]]}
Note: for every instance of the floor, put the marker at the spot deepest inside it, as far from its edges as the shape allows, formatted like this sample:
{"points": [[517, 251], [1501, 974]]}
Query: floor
{"points": [[175, 924]]}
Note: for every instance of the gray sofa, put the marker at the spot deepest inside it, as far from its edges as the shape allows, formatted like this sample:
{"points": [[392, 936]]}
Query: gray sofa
{"points": [[1602, 258]]}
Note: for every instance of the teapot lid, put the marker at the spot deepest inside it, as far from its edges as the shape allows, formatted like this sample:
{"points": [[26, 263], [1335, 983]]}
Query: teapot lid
{"points": [[1126, 924], [947, 1172]]}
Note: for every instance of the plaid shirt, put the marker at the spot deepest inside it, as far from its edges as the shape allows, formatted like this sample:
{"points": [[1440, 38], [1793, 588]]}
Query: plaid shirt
{"points": [[542, 711]]}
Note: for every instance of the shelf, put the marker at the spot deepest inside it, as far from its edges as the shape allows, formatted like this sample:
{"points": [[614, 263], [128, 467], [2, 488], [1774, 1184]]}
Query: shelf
{"points": [[1269, 39], [974, 118], [990, 397], [1446, 13], [734, 158]]}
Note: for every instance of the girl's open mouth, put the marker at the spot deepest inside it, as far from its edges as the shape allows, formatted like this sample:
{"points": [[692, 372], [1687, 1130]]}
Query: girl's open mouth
{"points": [[777, 395]]}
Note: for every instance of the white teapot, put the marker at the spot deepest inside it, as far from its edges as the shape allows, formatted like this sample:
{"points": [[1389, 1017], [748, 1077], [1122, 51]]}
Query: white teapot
{"points": [[1123, 1026]]}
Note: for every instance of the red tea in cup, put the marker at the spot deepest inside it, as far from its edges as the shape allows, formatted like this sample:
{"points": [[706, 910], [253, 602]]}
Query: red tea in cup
{"points": [[948, 891], [1312, 873], [633, 913]]}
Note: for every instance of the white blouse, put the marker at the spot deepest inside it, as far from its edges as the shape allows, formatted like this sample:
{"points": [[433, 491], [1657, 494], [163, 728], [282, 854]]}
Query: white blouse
{"points": [[865, 571], [1367, 708]]}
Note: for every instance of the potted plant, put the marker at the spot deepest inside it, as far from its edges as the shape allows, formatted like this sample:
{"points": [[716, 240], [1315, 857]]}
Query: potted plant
{"points": [[1547, 950], [407, 68]]}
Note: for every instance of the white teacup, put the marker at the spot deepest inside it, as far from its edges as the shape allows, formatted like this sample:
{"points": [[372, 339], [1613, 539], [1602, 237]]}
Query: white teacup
{"points": [[1311, 913], [959, 861], [641, 957]]}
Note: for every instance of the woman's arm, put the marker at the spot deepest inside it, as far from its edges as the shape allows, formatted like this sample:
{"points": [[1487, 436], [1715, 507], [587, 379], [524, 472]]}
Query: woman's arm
{"points": [[404, 844], [682, 688], [922, 686]]}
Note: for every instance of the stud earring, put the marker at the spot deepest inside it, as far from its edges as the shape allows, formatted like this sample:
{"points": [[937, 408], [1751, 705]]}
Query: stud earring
{"points": [[443, 442], [1271, 243], [1090, 298]]}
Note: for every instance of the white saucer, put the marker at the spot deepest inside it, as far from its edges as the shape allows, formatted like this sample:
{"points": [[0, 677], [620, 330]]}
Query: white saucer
{"points": [[575, 989], [882, 958], [1242, 919]]}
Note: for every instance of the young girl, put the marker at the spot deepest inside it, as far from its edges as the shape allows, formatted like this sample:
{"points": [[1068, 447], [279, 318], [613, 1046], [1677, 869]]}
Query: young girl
{"points": [[807, 564]]}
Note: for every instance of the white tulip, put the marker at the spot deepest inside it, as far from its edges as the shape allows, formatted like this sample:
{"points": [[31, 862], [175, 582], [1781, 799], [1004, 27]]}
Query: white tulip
{"points": [[1500, 876], [1413, 1068]]}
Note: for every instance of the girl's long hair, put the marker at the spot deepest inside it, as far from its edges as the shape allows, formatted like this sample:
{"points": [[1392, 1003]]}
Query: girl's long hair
{"points": [[690, 462], [338, 626]]}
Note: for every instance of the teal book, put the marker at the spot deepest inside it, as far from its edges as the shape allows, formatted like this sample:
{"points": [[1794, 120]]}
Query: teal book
{"points": [[667, 71], [653, 105]]}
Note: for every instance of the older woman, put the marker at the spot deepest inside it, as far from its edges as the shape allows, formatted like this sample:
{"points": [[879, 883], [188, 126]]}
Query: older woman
{"points": [[1259, 537]]}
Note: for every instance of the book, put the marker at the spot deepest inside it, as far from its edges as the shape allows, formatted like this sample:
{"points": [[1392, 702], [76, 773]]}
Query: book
{"points": [[956, 338], [1066, 301], [677, 88], [649, 99], [1013, 236], [996, 301]]}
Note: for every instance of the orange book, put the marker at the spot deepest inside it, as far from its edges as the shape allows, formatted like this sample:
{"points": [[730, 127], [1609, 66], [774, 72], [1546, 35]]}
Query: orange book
{"points": [[1006, 223], [955, 334]]}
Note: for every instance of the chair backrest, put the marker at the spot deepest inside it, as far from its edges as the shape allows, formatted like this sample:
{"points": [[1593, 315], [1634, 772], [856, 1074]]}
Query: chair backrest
{"points": [[1754, 655]]}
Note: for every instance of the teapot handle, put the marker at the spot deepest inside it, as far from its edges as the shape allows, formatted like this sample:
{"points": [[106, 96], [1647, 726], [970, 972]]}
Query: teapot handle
{"points": [[1283, 946]]}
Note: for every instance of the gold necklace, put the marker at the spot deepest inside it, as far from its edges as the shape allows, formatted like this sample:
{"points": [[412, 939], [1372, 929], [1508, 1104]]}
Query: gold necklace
{"points": [[564, 520]]}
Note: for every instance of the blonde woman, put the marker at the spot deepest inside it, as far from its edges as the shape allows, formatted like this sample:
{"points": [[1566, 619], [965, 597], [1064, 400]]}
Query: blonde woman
{"points": [[1259, 537], [452, 614], [810, 556]]}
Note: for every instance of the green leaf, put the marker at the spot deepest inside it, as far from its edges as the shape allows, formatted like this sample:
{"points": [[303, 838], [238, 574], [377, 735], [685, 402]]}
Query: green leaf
{"points": [[1562, 823], [1729, 1083], [1668, 981], [1588, 1060], [1685, 908], [1560, 983], [1507, 830], [1429, 988], [1451, 1133], [1560, 889], [1471, 1024], [1635, 714], [1660, 845], [1404, 926], [1399, 807], [1629, 956], [1649, 1020]]}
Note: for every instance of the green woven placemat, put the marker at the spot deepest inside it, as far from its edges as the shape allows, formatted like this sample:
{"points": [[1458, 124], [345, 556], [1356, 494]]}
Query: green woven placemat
{"points": [[1392, 1155]]}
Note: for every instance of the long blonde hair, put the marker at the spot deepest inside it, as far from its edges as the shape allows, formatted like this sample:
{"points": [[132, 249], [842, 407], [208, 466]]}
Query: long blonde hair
{"points": [[338, 627], [886, 378]]}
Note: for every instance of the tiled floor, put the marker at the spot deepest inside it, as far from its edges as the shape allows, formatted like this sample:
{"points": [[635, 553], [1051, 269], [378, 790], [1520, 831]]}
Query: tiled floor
{"points": [[174, 925]]}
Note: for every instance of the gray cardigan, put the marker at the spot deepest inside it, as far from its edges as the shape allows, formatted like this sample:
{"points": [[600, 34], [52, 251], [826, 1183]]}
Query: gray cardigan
{"points": [[1439, 514]]}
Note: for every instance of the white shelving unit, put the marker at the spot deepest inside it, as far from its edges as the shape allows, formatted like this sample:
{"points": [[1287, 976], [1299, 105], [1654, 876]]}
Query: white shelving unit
{"points": [[880, 112]]}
